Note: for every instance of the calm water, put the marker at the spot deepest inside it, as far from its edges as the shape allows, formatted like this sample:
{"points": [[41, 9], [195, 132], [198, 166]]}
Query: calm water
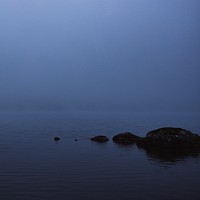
{"points": [[33, 166]]}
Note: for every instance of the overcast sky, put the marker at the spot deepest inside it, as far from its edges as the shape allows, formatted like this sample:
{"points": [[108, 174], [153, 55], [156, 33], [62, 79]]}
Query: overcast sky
{"points": [[100, 54]]}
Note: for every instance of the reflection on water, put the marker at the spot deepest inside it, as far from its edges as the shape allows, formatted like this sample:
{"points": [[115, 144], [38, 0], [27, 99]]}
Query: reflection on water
{"points": [[165, 155], [171, 156], [34, 166]]}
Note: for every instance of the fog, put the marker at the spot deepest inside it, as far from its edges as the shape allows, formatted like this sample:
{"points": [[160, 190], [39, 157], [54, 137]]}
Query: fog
{"points": [[132, 55]]}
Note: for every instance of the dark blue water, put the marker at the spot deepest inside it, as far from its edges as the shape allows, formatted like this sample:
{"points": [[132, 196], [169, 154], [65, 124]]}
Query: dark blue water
{"points": [[34, 166]]}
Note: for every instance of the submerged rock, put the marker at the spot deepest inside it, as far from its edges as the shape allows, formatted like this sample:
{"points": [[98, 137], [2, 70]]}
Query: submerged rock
{"points": [[99, 138], [126, 138], [171, 137]]}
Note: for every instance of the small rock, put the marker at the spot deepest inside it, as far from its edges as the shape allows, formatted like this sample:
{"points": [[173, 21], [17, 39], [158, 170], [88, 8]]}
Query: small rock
{"points": [[126, 138], [56, 138], [99, 138]]}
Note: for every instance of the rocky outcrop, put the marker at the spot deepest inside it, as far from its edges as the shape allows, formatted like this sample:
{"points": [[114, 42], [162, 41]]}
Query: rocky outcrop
{"points": [[166, 144], [99, 138], [170, 137], [126, 138], [162, 138]]}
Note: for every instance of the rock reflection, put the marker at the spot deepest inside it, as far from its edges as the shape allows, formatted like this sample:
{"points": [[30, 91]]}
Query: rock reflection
{"points": [[170, 155]]}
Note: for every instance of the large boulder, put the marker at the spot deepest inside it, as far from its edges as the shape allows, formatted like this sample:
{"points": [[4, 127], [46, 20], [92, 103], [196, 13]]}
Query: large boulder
{"points": [[126, 138], [99, 138], [171, 137]]}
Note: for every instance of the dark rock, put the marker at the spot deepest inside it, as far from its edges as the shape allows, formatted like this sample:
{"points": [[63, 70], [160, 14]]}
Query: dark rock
{"points": [[126, 138], [56, 138], [170, 144], [100, 138], [168, 133], [170, 137]]}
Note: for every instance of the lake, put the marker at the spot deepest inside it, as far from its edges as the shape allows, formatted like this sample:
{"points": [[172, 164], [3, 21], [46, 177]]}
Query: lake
{"points": [[34, 166]]}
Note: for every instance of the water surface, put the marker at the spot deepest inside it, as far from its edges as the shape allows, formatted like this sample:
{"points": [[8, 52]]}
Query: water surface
{"points": [[34, 166]]}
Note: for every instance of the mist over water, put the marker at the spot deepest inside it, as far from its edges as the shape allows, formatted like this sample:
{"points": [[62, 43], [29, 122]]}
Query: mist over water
{"points": [[100, 55]]}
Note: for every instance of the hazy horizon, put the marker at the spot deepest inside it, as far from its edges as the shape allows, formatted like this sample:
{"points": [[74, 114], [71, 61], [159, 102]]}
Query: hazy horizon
{"points": [[132, 55]]}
